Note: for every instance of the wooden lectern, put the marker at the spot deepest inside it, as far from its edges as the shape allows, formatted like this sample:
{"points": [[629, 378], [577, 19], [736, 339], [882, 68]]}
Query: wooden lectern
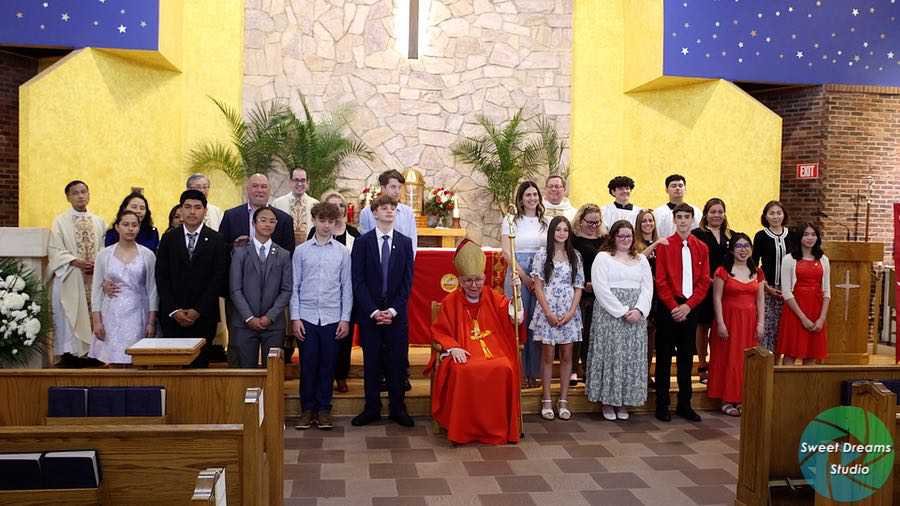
{"points": [[848, 314]]}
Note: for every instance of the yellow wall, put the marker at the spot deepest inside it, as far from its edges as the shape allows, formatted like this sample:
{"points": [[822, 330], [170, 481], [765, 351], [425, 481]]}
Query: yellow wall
{"points": [[118, 119], [723, 141]]}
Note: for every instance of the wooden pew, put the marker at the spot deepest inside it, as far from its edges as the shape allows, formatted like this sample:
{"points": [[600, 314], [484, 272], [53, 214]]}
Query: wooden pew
{"points": [[207, 488], [779, 401], [193, 396], [156, 464]]}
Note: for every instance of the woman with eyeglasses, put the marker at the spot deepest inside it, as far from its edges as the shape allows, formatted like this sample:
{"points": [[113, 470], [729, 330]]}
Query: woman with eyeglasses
{"points": [[344, 234], [738, 300], [623, 287], [589, 232]]}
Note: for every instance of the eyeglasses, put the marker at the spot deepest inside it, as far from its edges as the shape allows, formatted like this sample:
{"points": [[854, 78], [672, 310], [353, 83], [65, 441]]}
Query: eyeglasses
{"points": [[742, 245], [471, 281], [591, 223]]}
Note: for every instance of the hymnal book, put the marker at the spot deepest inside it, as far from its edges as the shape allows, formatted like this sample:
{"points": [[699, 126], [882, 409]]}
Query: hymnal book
{"points": [[145, 401], [106, 401], [71, 469], [67, 401], [20, 471]]}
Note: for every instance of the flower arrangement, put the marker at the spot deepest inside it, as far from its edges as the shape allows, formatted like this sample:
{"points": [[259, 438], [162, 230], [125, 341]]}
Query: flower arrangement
{"points": [[440, 202], [24, 313], [367, 195]]}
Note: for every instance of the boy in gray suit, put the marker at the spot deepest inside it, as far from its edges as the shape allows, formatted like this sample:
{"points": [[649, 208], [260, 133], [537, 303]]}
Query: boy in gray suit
{"points": [[320, 313], [260, 282]]}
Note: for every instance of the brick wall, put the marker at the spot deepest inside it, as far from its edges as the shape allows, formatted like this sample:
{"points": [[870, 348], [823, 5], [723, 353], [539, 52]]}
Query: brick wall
{"points": [[853, 134], [14, 70]]}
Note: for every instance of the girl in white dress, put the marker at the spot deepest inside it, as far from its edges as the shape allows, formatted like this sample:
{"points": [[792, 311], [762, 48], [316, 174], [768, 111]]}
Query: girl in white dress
{"points": [[129, 314]]}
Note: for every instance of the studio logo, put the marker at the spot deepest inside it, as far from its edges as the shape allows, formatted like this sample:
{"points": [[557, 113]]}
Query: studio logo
{"points": [[846, 453]]}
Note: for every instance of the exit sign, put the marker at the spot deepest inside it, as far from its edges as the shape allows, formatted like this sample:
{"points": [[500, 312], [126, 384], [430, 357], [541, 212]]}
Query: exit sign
{"points": [[807, 171]]}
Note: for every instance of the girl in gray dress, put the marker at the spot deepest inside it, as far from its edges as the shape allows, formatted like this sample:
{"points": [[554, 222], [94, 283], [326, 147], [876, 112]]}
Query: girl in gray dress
{"points": [[623, 287]]}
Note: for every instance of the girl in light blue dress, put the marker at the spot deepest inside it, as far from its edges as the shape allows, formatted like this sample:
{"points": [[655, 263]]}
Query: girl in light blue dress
{"points": [[559, 279]]}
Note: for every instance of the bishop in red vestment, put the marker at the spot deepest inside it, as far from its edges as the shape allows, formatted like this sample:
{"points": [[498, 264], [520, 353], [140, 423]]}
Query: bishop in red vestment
{"points": [[475, 393]]}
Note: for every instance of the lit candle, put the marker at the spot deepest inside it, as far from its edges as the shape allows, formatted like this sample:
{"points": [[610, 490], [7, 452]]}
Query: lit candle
{"points": [[455, 207]]}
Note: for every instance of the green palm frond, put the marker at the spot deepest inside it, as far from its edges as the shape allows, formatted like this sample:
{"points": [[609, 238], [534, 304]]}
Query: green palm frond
{"points": [[214, 156], [509, 153]]}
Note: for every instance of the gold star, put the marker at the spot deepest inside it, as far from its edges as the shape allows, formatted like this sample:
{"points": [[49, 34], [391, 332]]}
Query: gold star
{"points": [[753, 33]]}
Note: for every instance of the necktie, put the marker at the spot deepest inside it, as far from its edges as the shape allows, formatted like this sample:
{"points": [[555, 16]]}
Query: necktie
{"points": [[192, 243], [385, 262], [687, 273], [262, 253], [628, 207]]}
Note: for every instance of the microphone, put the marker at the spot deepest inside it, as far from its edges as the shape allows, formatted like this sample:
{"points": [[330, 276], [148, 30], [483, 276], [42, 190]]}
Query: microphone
{"points": [[823, 215]]}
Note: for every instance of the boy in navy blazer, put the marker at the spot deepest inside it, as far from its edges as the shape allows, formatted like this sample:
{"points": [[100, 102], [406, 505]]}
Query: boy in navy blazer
{"points": [[382, 268]]}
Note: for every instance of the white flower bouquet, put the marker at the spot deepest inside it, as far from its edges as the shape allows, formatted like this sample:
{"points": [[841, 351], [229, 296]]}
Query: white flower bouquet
{"points": [[24, 313]]}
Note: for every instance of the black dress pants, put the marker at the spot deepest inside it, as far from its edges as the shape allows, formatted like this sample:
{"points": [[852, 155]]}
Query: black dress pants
{"points": [[678, 339]]}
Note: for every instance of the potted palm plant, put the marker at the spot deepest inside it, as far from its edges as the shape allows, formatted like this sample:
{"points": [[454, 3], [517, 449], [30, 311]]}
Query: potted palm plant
{"points": [[273, 132], [509, 153]]}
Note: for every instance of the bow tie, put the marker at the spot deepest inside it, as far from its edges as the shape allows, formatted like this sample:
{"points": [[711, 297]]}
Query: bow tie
{"points": [[627, 207], [671, 205]]}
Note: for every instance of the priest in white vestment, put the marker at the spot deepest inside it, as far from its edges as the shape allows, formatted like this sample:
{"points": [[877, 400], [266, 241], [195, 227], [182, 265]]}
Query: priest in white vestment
{"points": [[75, 239]]}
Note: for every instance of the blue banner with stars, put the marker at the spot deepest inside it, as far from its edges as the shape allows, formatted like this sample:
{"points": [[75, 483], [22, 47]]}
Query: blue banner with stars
{"points": [[790, 42], [119, 24]]}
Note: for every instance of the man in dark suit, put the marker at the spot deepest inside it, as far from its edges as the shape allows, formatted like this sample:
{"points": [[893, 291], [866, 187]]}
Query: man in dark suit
{"points": [[382, 267], [236, 229], [237, 225], [191, 265], [260, 282]]}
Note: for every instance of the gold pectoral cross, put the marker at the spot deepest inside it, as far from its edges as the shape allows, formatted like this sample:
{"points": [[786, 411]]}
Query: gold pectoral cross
{"points": [[478, 335]]}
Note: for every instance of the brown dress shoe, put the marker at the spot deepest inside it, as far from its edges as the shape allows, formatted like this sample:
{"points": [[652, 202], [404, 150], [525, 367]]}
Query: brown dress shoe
{"points": [[325, 421]]}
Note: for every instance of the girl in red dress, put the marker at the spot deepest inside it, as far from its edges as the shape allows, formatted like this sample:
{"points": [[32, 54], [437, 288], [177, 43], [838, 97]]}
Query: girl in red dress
{"points": [[738, 302], [805, 282]]}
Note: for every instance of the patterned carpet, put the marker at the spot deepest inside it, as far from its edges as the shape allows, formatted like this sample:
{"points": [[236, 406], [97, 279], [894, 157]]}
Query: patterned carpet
{"points": [[583, 461]]}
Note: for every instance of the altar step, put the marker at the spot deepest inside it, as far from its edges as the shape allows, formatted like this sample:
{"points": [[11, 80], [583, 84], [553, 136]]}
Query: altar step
{"points": [[418, 400]]}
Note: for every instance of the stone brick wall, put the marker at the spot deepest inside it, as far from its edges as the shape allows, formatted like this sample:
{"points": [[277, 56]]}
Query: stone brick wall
{"points": [[14, 70], [853, 134], [482, 57]]}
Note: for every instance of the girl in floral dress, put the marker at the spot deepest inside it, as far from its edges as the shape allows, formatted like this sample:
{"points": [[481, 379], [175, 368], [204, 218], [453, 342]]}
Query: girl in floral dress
{"points": [[559, 279]]}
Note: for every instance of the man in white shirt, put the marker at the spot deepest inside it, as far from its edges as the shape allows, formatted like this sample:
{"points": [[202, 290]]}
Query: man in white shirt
{"points": [[391, 182], [213, 213], [620, 187], [555, 201], [676, 186], [298, 204]]}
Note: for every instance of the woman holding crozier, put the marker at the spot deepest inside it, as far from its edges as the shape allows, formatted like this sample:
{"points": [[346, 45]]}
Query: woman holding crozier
{"points": [[623, 287], [530, 232]]}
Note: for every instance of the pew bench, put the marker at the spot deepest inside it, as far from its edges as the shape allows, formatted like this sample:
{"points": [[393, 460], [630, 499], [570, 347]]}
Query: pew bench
{"points": [[779, 402], [193, 396], [155, 464]]}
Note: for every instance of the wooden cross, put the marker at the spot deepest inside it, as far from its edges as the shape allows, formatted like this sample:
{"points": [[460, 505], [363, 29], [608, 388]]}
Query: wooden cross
{"points": [[413, 29], [846, 286]]}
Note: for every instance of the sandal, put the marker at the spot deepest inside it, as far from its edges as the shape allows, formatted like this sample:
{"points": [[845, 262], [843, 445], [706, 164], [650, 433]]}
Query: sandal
{"points": [[547, 409], [562, 406], [704, 374], [730, 410]]}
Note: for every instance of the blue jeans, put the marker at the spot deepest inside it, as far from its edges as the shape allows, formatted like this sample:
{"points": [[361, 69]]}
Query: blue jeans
{"points": [[318, 354], [531, 354]]}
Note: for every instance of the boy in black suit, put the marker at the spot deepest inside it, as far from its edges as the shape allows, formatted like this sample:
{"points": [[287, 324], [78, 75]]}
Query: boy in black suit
{"points": [[382, 267], [190, 270]]}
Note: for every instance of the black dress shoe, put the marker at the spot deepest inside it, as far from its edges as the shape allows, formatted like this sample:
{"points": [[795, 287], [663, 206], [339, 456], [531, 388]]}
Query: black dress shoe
{"points": [[688, 414], [364, 418], [407, 386], [663, 416], [403, 419]]}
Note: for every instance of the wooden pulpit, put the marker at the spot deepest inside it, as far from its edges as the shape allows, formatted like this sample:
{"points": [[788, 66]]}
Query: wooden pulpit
{"points": [[848, 314]]}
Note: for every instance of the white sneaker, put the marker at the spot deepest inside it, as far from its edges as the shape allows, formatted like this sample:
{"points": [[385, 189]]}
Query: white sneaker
{"points": [[622, 413], [609, 413]]}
